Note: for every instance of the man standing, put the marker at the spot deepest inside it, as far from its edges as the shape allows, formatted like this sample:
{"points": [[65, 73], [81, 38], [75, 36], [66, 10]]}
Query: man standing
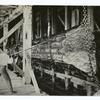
{"points": [[4, 61]]}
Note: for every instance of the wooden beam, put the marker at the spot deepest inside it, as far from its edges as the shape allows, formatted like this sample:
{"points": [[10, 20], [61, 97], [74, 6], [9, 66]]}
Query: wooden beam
{"points": [[27, 31], [52, 21], [91, 17], [14, 15], [49, 26], [88, 88], [11, 31], [53, 78], [37, 90], [61, 21], [67, 80], [72, 78], [5, 32], [66, 18], [27, 43], [8, 7]]}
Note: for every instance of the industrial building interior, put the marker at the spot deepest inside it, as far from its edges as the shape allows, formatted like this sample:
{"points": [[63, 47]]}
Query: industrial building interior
{"points": [[55, 49]]}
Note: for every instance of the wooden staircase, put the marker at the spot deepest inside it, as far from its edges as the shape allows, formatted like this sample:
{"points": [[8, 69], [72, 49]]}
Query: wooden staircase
{"points": [[18, 85]]}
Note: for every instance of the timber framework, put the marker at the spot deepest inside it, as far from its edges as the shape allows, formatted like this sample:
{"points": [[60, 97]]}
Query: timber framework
{"points": [[55, 49]]}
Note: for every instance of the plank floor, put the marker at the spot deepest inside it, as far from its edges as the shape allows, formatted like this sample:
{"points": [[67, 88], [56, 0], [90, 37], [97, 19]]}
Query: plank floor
{"points": [[18, 85]]}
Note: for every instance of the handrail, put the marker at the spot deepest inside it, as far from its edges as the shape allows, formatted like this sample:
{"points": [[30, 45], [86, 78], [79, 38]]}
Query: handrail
{"points": [[63, 76]]}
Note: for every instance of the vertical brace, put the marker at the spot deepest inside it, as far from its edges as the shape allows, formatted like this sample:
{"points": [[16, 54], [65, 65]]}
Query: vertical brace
{"points": [[18, 35], [67, 80], [48, 16], [41, 69], [91, 18], [53, 79], [27, 25], [88, 88], [5, 32], [52, 22], [66, 19], [27, 43]]}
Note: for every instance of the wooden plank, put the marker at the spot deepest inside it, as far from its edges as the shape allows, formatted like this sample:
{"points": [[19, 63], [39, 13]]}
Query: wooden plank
{"points": [[21, 90], [18, 86], [11, 31], [36, 87]]}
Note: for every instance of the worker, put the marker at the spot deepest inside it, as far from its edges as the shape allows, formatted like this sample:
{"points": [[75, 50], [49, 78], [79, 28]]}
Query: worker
{"points": [[4, 61]]}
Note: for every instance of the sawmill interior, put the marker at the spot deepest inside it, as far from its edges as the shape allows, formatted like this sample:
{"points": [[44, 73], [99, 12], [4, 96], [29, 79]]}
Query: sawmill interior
{"points": [[55, 49]]}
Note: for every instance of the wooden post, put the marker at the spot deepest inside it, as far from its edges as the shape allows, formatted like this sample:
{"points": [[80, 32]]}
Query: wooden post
{"points": [[27, 43], [18, 35], [41, 69], [48, 16], [67, 80], [27, 31], [88, 88], [52, 28], [5, 32], [53, 79], [66, 18], [53, 75], [90, 18], [40, 26]]}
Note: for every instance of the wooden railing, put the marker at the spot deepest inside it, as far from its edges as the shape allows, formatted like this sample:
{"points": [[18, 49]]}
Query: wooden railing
{"points": [[66, 75]]}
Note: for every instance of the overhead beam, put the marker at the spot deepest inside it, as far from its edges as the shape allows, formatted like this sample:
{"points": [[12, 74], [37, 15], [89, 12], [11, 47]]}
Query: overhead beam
{"points": [[7, 7]]}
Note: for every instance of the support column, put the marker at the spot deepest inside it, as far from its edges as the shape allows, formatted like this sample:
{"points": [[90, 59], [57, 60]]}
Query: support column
{"points": [[52, 22], [5, 32], [88, 88], [66, 19], [67, 81], [48, 16], [90, 18], [27, 31], [27, 43]]}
